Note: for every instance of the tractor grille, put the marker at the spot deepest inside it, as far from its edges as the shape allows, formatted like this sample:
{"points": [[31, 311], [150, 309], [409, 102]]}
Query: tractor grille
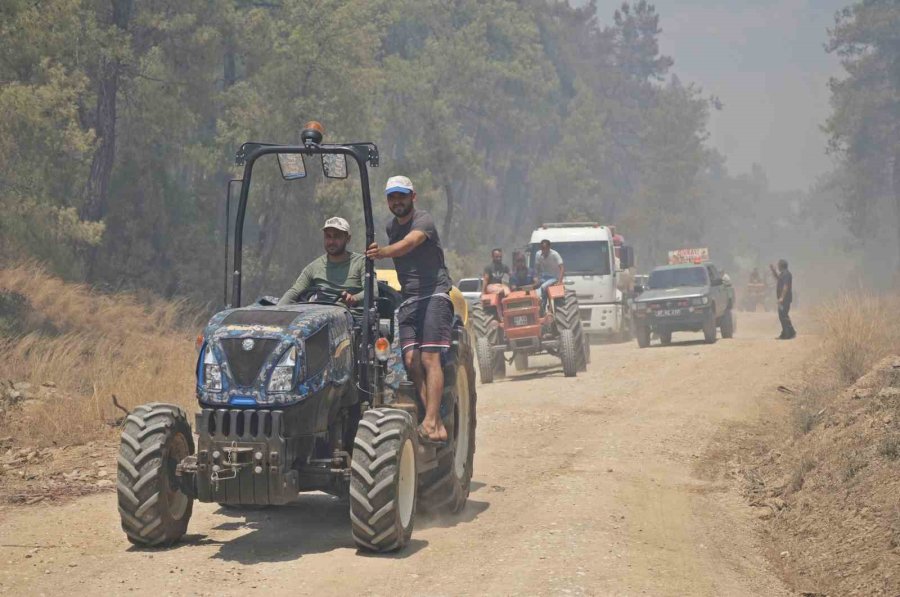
{"points": [[513, 305], [246, 425], [245, 364]]}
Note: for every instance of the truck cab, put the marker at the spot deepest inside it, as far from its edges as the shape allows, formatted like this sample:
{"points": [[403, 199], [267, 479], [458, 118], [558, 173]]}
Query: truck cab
{"points": [[593, 272]]}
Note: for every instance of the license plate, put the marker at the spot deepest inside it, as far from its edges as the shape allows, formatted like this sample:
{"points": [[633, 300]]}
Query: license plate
{"points": [[668, 312], [520, 320]]}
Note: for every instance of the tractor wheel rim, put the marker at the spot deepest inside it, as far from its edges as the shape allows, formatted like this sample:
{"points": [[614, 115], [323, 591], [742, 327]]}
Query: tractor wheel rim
{"points": [[176, 500], [461, 454], [406, 490]]}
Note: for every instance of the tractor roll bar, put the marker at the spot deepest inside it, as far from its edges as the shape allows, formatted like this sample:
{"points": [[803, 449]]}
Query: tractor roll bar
{"points": [[361, 153]]}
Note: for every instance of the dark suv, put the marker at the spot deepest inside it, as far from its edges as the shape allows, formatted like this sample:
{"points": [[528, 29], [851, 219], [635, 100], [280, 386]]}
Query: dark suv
{"points": [[684, 298]]}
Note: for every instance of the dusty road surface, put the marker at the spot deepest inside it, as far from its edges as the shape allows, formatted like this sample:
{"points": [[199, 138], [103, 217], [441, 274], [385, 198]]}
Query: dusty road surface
{"points": [[582, 486]]}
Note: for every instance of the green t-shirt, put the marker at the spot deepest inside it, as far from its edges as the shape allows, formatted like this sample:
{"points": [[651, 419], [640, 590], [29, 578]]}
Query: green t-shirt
{"points": [[348, 275]]}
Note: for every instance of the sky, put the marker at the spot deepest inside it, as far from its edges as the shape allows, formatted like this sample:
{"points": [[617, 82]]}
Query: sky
{"points": [[765, 60]]}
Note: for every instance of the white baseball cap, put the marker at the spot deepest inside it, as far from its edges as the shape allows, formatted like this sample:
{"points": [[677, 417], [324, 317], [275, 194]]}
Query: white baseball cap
{"points": [[399, 184], [338, 224]]}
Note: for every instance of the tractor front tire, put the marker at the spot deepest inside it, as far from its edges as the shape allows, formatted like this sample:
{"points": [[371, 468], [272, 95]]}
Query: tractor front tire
{"points": [[383, 480], [568, 318], [568, 353], [445, 488], [153, 509]]}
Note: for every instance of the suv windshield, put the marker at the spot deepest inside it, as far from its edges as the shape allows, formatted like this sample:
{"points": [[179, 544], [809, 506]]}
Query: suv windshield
{"points": [[469, 285], [582, 257], [682, 276]]}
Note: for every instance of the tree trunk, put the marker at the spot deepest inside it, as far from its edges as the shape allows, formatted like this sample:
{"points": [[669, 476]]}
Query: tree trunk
{"points": [[97, 191], [448, 217]]}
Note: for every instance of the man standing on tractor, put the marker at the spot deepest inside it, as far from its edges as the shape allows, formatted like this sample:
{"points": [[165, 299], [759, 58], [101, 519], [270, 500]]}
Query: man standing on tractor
{"points": [[338, 270], [425, 317], [550, 270], [496, 275], [785, 292], [522, 275]]}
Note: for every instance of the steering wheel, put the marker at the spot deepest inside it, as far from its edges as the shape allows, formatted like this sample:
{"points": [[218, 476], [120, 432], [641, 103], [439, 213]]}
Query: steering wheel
{"points": [[321, 294]]}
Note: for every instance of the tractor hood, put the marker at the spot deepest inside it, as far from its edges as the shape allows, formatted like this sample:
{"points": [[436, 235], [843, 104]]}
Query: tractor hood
{"points": [[246, 344]]}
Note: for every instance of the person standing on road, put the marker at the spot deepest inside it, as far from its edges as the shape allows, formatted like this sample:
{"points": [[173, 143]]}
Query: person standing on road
{"points": [[425, 317], [496, 275], [550, 269], [784, 291]]}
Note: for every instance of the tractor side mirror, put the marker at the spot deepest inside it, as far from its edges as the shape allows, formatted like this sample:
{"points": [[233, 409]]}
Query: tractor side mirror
{"points": [[292, 166], [334, 165], [626, 257]]}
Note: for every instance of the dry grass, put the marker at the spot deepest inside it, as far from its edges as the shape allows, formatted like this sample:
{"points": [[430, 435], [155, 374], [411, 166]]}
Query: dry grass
{"points": [[858, 330], [92, 346]]}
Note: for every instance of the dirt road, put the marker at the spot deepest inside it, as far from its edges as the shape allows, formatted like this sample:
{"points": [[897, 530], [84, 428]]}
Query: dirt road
{"points": [[582, 486]]}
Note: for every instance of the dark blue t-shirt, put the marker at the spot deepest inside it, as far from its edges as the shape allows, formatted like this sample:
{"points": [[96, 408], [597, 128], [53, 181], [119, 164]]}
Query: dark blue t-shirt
{"points": [[422, 271]]}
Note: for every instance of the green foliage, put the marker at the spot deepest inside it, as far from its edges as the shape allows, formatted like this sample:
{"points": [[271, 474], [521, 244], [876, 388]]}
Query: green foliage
{"points": [[121, 120]]}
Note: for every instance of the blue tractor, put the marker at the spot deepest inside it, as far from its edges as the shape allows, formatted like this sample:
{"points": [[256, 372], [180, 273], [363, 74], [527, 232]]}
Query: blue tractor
{"points": [[301, 398]]}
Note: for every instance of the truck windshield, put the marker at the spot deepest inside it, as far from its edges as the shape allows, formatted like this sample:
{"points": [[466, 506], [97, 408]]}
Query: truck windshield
{"points": [[582, 257], [682, 276], [470, 285]]}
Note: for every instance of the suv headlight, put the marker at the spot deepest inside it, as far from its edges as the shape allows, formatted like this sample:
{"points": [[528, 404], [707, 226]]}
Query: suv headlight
{"points": [[212, 371], [700, 300], [282, 379]]}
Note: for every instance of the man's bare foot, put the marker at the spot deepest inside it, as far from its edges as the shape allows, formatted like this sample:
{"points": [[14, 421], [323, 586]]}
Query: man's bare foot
{"points": [[435, 434]]}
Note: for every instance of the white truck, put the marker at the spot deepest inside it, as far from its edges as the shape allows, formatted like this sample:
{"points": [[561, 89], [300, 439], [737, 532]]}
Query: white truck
{"points": [[596, 270]]}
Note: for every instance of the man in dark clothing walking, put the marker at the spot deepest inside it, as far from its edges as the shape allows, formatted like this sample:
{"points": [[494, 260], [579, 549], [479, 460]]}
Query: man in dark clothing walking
{"points": [[425, 317], [784, 290]]}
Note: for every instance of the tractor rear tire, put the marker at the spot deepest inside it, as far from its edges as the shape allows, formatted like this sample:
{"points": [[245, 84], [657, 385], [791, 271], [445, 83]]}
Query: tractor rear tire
{"points": [[568, 353], [521, 361], [485, 354], [383, 481], [709, 327], [642, 333], [445, 489], [726, 324], [153, 509]]}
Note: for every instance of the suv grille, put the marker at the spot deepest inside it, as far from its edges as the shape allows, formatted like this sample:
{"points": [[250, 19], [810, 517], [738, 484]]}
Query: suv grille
{"points": [[245, 364]]}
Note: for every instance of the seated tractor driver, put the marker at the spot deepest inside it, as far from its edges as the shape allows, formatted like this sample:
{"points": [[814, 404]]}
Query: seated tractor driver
{"points": [[338, 270], [496, 275], [522, 276], [550, 270]]}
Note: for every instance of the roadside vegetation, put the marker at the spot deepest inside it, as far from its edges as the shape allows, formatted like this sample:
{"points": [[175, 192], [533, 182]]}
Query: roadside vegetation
{"points": [[66, 350], [822, 468]]}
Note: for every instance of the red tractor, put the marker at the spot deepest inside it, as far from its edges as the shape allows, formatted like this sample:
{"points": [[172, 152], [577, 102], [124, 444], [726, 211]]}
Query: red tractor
{"points": [[515, 324]]}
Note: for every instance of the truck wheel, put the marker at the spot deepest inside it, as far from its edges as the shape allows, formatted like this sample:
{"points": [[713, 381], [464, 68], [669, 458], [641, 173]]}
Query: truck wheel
{"points": [[642, 333], [665, 338], [383, 480], [521, 361], [445, 489], [568, 353], [485, 359], [153, 509], [709, 327], [727, 324], [586, 344]]}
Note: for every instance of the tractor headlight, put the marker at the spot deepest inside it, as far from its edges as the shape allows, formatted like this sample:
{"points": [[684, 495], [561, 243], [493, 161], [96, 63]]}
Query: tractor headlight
{"points": [[700, 300], [212, 371], [282, 379]]}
